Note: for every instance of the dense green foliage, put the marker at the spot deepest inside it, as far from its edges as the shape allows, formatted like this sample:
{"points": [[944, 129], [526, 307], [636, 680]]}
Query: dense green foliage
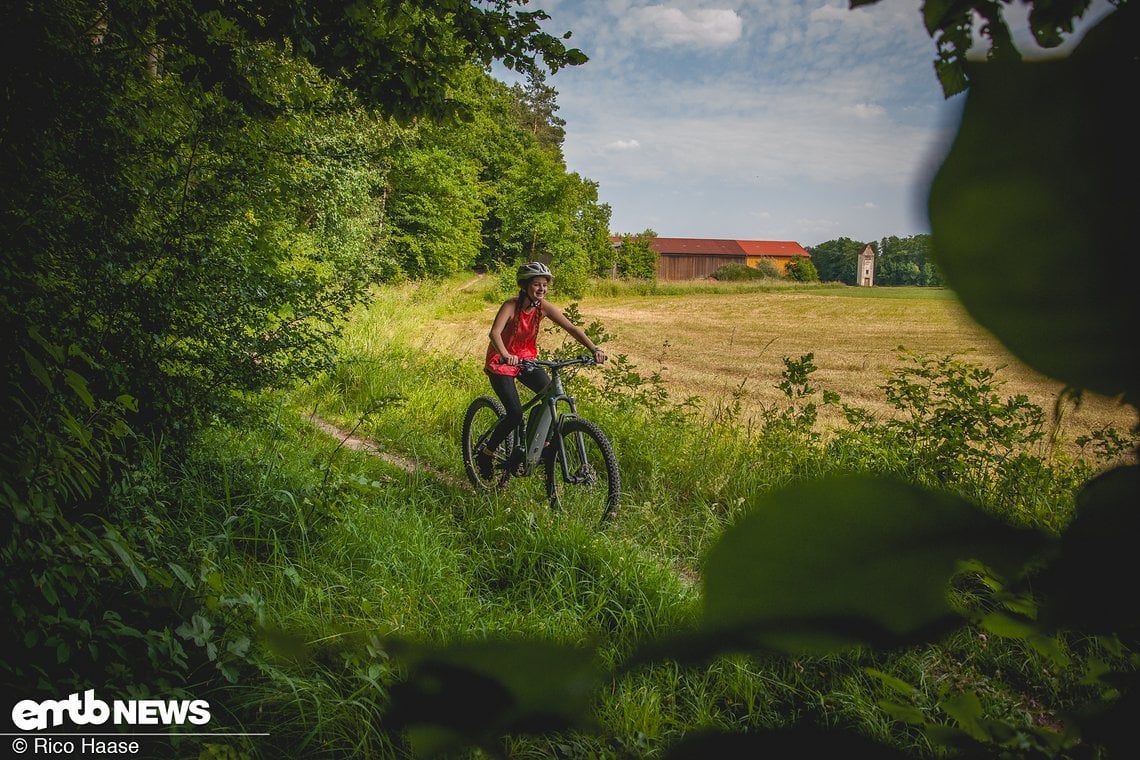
{"points": [[635, 258], [802, 270], [798, 270], [194, 198], [906, 261]]}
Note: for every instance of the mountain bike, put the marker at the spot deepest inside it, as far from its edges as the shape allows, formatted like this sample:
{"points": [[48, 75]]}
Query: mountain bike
{"points": [[573, 453]]}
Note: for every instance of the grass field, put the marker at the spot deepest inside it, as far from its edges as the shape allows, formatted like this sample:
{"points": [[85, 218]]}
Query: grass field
{"points": [[712, 341]]}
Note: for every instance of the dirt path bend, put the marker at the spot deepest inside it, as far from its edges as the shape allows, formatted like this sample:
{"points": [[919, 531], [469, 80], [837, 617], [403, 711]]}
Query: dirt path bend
{"points": [[408, 465]]}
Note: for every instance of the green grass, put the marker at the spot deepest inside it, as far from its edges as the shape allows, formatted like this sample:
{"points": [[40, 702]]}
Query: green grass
{"points": [[343, 556]]}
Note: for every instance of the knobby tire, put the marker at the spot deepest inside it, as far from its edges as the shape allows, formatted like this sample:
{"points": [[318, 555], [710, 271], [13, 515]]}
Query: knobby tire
{"points": [[599, 486], [481, 417]]}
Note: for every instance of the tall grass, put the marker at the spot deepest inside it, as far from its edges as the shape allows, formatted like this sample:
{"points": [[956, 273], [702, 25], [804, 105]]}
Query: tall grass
{"points": [[315, 561]]}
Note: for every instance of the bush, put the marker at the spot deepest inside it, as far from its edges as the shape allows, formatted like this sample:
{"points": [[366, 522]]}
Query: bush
{"points": [[802, 270], [735, 272]]}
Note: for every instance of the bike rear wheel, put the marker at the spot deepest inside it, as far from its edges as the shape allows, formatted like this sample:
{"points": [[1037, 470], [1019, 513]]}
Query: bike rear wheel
{"points": [[588, 482], [481, 418]]}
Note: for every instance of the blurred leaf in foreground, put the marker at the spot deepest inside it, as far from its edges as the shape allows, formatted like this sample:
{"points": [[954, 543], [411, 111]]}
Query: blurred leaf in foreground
{"points": [[1033, 210], [1092, 585], [830, 564], [476, 692]]}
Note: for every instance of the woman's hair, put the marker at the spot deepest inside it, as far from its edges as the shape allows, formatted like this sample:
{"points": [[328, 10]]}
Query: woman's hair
{"points": [[519, 301]]}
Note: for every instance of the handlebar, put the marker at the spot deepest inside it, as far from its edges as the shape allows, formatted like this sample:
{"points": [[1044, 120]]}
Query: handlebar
{"points": [[530, 363]]}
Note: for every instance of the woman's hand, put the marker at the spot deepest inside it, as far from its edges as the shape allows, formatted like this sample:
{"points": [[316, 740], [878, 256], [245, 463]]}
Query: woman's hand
{"points": [[599, 356], [510, 359]]}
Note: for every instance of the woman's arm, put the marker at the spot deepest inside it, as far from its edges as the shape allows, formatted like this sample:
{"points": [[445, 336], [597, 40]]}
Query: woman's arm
{"points": [[506, 311], [576, 332]]}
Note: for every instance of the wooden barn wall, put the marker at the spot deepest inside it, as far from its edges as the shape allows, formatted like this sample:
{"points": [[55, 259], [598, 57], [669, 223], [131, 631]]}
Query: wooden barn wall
{"points": [[780, 264], [683, 266]]}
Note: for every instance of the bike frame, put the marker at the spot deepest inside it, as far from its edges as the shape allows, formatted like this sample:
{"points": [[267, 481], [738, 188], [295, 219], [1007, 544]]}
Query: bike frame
{"points": [[542, 410]]}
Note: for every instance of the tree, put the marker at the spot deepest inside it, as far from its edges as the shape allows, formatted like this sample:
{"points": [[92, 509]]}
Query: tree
{"points": [[636, 259], [398, 57], [836, 260], [533, 202], [434, 215], [906, 261], [536, 105], [898, 261], [592, 229], [802, 270]]}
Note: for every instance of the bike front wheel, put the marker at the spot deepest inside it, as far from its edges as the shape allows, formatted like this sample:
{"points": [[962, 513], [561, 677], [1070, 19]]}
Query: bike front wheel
{"points": [[582, 476], [480, 420]]}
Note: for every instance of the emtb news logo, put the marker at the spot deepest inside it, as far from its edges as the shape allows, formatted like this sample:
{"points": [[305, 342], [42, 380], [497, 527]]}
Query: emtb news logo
{"points": [[29, 715]]}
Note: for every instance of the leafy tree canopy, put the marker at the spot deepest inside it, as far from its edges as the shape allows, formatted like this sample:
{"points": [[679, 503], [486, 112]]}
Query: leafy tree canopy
{"points": [[397, 56]]}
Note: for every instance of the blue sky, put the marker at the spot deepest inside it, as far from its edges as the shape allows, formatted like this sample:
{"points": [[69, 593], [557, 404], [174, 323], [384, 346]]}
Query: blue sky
{"points": [[758, 119]]}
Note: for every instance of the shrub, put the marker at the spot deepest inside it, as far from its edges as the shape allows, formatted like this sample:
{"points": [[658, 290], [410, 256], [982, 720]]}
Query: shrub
{"points": [[735, 272], [802, 270]]}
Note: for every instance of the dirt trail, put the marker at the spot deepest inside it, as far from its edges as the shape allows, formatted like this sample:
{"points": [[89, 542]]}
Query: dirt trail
{"points": [[469, 283], [408, 465]]}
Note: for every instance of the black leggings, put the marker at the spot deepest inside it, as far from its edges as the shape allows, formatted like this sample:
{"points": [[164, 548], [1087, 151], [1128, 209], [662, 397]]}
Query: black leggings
{"points": [[504, 386]]}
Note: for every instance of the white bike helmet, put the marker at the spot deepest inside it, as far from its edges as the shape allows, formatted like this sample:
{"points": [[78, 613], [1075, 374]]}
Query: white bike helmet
{"points": [[532, 269]]}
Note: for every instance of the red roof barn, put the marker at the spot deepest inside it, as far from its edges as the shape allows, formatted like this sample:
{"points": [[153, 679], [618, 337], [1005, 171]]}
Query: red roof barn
{"points": [[695, 258]]}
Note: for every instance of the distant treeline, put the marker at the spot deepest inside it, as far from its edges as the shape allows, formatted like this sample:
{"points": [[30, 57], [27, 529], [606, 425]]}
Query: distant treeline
{"points": [[898, 261]]}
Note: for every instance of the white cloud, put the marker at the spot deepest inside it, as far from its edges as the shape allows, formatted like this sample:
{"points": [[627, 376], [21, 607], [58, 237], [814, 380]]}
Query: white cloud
{"points": [[623, 145], [658, 24], [866, 111]]}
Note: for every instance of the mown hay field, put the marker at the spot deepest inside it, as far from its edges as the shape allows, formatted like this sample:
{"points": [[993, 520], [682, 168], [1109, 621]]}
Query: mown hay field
{"points": [[713, 342]]}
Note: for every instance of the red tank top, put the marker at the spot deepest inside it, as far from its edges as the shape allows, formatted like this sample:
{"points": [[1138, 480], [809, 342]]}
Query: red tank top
{"points": [[520, 337]]}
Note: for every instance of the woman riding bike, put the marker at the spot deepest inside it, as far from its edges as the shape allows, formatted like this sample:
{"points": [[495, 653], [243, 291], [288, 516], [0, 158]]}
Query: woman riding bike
{"points": [[514, 335]]}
